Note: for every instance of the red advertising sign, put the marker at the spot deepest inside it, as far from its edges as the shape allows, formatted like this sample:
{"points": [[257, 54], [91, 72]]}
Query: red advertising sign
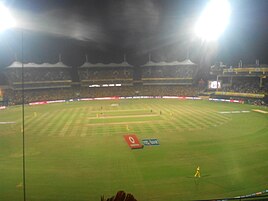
{"points": [[133, 142]]}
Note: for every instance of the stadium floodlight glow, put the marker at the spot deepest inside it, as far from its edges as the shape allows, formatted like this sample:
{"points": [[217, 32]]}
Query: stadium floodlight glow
{"points": [[213, 20], [6, 19]]}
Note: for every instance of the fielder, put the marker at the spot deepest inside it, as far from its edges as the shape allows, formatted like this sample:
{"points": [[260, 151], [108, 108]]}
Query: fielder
{"points": [[127, 128], [197, 174]]}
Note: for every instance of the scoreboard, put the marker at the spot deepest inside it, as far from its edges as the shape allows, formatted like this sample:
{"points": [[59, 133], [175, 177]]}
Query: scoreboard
{"points": [[214, 84]]}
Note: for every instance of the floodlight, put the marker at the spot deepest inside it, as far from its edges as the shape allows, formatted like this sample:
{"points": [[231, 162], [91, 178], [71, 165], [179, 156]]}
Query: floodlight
{"points": [[6, 19], [213, 20]]}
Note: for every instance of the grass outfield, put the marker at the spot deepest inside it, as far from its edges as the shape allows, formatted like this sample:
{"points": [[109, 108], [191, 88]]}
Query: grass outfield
{"points": [[76, 151]]}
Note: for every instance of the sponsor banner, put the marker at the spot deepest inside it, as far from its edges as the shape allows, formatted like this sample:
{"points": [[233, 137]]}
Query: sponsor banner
{"points": [[170, 97], [56, 101], [137, 97], [150, 142], [154, 142], [226, 100], [133, 141], [193, 98], [159, 97], [246, 70], [107, 98], [47, 102], [249, 195], [102, 98], [181, 97], [38, 103], [85, 99], [249, 95], [234, 112], [146, 142]]}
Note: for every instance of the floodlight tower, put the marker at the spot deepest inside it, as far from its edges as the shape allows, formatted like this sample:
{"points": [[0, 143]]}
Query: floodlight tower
{"points": [[6, 19], [213, 20], [6, 22]]}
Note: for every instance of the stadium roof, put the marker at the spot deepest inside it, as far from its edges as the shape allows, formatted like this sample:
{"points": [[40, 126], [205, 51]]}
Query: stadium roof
{"points": [[185, 62], [102, 65], [17, 64]]}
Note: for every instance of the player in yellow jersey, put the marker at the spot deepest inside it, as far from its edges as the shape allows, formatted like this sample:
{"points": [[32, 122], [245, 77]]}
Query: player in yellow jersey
{"points": [[127, 128], [197, 173]]}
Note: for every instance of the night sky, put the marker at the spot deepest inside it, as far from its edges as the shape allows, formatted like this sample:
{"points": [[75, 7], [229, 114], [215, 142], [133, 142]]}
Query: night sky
{"points": [[108, 29]]}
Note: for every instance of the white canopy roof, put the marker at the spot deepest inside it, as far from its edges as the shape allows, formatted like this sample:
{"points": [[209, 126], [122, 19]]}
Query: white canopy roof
{"points": [[17, 64], [102, 65], [187, 62]]}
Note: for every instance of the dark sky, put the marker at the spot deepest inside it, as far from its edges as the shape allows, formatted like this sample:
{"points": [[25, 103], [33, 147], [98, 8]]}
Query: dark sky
{"points": [[106, 29]]}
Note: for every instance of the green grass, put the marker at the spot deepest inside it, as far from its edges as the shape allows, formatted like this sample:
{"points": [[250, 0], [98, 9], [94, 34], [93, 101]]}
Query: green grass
{"points": [[76, 151]]}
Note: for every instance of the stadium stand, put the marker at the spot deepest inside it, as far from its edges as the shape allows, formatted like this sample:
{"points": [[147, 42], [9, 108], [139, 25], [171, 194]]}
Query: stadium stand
{"points": [[247, 82], [38, 81], [36, 76], [101, 73], [56, 81], [171, 73]]}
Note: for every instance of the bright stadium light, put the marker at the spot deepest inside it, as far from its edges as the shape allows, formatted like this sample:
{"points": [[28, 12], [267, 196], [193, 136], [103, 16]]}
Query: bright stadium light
{"points": [[213, 20], [6, 19]]}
